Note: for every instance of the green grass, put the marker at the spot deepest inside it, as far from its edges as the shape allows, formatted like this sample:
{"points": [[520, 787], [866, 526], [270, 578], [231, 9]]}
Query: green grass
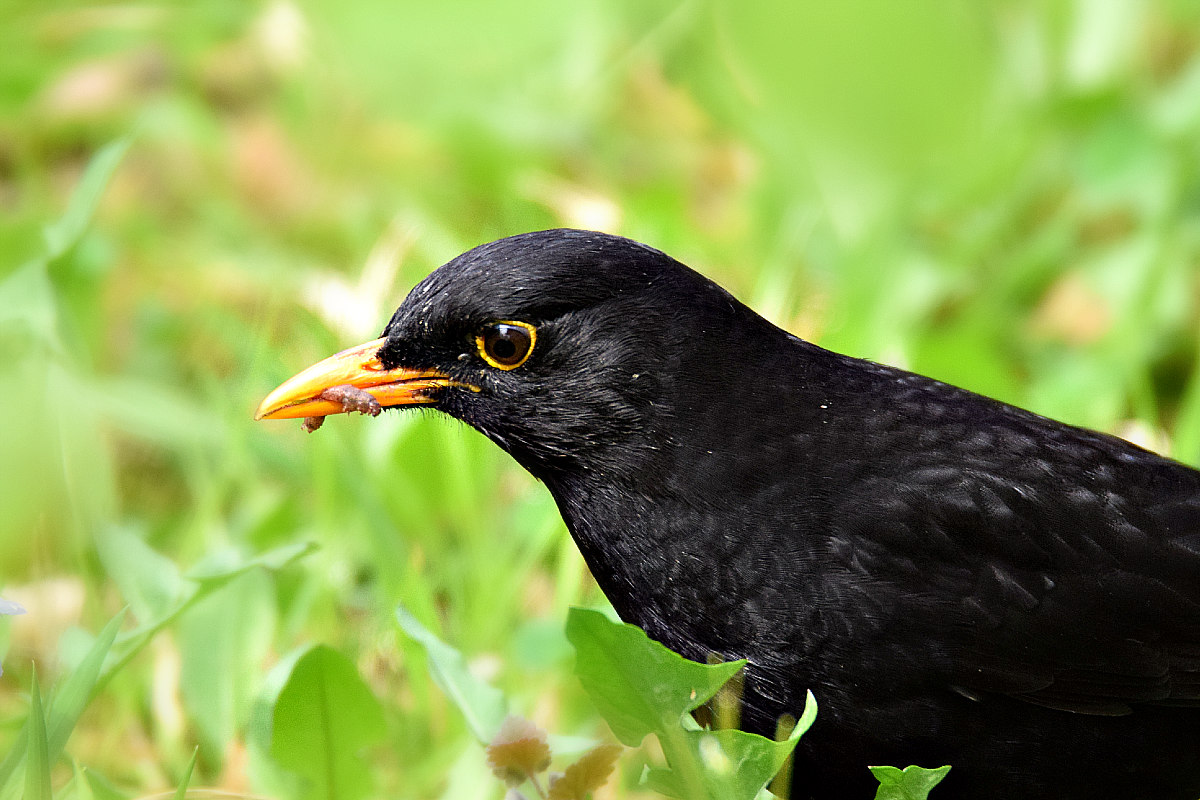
{"points": [[1003, 195]]}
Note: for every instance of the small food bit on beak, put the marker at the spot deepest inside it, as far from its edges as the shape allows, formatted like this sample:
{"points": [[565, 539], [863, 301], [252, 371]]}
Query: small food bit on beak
{"points": [[350, 398]]}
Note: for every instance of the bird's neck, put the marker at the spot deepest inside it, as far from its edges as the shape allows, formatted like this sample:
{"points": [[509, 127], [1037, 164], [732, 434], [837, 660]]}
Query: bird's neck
{"points": [[681, 537]]}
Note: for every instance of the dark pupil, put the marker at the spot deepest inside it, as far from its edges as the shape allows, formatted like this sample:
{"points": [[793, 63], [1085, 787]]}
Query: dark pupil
{"points": [[508, 344], [503, 349]]}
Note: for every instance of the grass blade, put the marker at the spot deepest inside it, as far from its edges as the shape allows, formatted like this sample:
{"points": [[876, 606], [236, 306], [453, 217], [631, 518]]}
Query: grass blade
{"points": [[63, 234], [69, 702], [181, 792], [483, 706], [37, 767], [66, 706]]}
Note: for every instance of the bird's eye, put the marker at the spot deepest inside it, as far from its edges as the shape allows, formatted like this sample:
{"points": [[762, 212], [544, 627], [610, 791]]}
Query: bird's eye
{"points": [[506, 345]]}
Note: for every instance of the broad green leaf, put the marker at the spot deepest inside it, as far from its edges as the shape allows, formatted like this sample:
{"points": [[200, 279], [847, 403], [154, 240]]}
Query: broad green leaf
{"points": [[324, 716], [642, 687], [262, 718], [149, 581], [483, 706], [638, 685], [223, 639], [63, 234], [735, 765], [910, 783], [210, 579], [37, 767]]}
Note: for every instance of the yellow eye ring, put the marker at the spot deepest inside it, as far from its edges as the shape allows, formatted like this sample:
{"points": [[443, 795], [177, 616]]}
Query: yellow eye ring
{"points": [[506, 344]]}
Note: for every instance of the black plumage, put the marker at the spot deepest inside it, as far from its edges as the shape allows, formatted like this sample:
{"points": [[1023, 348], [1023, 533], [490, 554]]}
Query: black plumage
{"points": [[957, 580]]}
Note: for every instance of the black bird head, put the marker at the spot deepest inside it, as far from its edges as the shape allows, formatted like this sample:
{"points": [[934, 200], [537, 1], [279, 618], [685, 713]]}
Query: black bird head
{"points": [[570, 349]]}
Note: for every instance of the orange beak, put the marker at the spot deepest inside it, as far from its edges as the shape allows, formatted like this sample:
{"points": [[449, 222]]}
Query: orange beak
{"points": [[359, 367]]}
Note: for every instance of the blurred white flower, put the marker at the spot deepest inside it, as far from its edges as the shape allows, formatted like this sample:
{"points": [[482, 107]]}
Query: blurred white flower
{"points": [[282, 33], [9, 607], [576, 205], [356, 308]]}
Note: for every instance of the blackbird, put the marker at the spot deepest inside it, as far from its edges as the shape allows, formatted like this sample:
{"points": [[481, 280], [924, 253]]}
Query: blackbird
{"points": [[957, 580]]}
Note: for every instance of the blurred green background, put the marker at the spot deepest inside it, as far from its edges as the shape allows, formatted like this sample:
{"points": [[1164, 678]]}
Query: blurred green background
{"points": [[1004, 195]]}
